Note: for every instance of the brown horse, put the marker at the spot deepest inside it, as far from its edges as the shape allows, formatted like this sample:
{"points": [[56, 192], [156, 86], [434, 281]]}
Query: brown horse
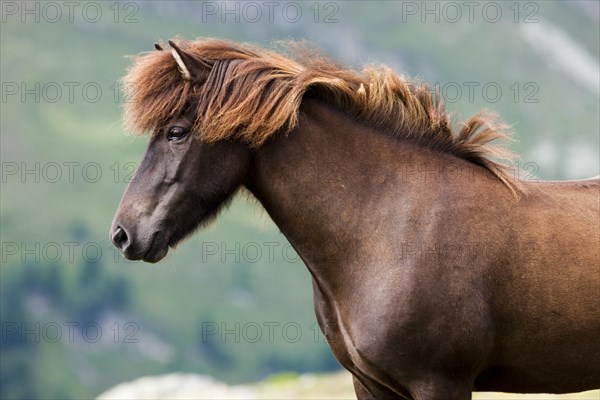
{"points": [[435, 272]]}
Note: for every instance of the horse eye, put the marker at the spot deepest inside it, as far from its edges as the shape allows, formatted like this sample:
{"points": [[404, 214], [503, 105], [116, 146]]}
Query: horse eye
{"points": [[176, 133]]}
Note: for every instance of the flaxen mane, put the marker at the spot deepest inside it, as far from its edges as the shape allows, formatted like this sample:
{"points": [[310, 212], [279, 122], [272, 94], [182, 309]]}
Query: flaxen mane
{"points": [[251, 93]]}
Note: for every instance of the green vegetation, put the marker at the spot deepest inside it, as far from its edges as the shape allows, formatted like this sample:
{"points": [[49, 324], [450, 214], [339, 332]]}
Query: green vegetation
{"points": [[211, 308]]}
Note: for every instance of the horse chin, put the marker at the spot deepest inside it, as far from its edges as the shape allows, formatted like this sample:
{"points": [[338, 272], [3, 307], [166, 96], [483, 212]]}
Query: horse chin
{"points": [[157, 251], [161, 241]]}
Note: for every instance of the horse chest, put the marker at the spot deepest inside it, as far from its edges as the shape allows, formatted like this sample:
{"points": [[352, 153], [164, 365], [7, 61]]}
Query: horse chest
{"points": [[338, 330], [332, 325]]}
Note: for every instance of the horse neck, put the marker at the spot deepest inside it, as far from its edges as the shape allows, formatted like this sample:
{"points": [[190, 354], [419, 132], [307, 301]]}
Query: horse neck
{"points": [[328, 181]]}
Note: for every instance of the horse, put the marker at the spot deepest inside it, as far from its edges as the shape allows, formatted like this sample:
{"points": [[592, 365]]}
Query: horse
{"points": [[435, 271]]}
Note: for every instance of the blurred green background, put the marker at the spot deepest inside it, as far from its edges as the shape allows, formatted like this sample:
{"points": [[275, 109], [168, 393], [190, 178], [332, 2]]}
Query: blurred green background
{"points": [[78, 319]]}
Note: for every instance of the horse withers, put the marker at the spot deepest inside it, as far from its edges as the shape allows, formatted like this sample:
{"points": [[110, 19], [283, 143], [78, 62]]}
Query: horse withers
{"points": [[435, 272]]}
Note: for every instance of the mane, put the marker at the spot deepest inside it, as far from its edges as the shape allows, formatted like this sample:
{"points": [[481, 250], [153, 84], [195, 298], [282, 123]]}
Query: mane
{"points": [[252, 93]]}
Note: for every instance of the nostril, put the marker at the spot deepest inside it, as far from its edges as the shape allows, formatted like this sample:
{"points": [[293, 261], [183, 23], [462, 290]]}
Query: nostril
{"points": [[119, 237]]}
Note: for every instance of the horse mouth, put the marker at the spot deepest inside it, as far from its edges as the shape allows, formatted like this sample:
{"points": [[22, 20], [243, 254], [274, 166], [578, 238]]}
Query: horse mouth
{"points": [[157, 249]]}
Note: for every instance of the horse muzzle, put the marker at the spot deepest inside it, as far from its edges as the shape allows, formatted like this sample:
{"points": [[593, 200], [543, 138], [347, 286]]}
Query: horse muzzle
{"points": [[150, 249]]}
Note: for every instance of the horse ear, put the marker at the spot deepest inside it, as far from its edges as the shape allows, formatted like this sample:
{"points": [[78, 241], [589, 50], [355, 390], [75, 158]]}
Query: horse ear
{"points": [[157, 46], [192, 69]]}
